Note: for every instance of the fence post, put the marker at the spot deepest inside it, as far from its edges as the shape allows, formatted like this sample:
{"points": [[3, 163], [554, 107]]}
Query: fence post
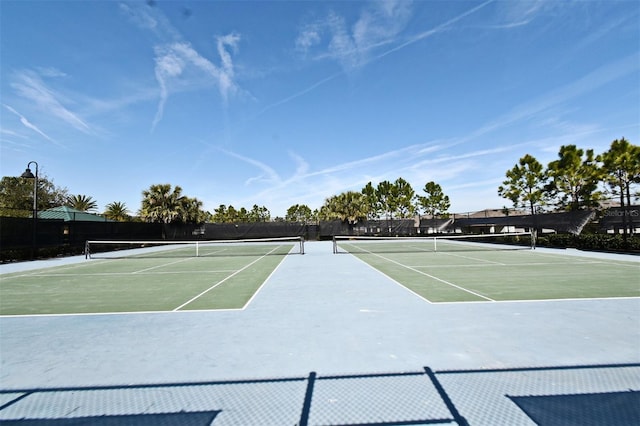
{"points": [[306, 407]]}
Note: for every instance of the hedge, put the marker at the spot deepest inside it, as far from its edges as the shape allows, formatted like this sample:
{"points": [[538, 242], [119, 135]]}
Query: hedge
{"points": [[595, 242]]}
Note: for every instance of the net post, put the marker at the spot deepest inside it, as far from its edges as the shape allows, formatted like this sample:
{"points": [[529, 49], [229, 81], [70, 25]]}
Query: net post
{"points": [[197, 248], [335, 245], [301, 245], [86, 250], [435, 244]]}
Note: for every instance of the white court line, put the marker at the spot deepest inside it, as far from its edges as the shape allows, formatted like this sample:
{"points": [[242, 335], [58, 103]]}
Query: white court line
{"points": [[86, 314], [117, 274], [255, 294], [162, 266], [572, 299], [431, 276], [518, 265], [473, 258], [38, 272], [580, 258], [220, 282], [402, 286], [422, 249]]}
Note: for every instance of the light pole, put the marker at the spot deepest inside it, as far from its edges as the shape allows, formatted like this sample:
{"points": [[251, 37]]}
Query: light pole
{"points": [[28, 175]]}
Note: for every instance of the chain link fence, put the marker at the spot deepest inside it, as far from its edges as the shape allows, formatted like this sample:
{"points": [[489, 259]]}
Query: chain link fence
{"points": [[578, 395]]}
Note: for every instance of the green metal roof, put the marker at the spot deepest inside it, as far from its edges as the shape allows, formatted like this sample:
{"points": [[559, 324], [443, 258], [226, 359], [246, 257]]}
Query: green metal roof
{"points": [[67, 214]]}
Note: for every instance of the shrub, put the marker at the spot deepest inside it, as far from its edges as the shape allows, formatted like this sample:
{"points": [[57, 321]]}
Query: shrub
{"points": [[596, 242]]}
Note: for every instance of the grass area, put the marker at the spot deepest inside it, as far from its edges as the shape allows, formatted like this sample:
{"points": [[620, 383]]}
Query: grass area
{"points": [[141, 284], [498, 275]]}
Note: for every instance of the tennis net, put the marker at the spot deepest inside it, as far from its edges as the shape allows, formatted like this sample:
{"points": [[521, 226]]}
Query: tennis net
{"points": [[443, 243], [116, 249]]}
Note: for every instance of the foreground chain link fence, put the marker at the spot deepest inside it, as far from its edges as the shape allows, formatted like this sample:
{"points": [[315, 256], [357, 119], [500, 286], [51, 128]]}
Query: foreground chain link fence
{"points": [[580, 395]]}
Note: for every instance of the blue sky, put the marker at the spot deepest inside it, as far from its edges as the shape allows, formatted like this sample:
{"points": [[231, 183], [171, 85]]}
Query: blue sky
{"points": [[278, 103]]}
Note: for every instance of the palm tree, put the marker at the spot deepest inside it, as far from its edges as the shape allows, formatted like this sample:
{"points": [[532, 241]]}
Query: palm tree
{"points": [[162, 204], [350, 207], [117, 211], [192, 211], [82, 202]]}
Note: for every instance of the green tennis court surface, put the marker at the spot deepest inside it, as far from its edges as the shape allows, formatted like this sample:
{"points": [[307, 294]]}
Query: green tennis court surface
{"points": [[226, 276], [145, 280], [485, 272]]}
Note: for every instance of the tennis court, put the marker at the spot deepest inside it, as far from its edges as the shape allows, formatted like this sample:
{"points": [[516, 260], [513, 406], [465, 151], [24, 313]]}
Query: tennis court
{"points": [[226, 275], [327, 340], [156, 278], [463, 269]]}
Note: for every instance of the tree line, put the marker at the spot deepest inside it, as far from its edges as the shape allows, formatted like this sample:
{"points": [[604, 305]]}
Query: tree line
{"points": [[577, 179]]}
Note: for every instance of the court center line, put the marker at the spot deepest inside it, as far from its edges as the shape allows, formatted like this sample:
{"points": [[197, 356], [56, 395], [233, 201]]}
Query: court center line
{"points": [[430, 276], [220, 282]]}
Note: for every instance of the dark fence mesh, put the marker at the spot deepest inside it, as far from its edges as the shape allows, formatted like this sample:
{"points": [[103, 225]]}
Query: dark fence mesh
{"points": [[569, 222], [391, 227], [435, 225], [80, 232], [57, 237], [230, 231], [16, 233]]}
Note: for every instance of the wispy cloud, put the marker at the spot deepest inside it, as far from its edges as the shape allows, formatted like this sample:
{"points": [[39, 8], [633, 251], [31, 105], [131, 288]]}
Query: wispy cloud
{"points": [[30, 86], [150, 19], [512, 14], [168, 65], [351, 45], [356, 46], [29, 125], [268, 174], [226, 74], [307, 187], [300, 93], [178, 65], [11, 133], [50, 72], [445, 26], [302, 167], [15, 141]]}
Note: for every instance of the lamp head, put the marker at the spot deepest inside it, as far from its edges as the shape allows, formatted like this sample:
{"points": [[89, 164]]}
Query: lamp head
{"points": [[27, 174]]}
